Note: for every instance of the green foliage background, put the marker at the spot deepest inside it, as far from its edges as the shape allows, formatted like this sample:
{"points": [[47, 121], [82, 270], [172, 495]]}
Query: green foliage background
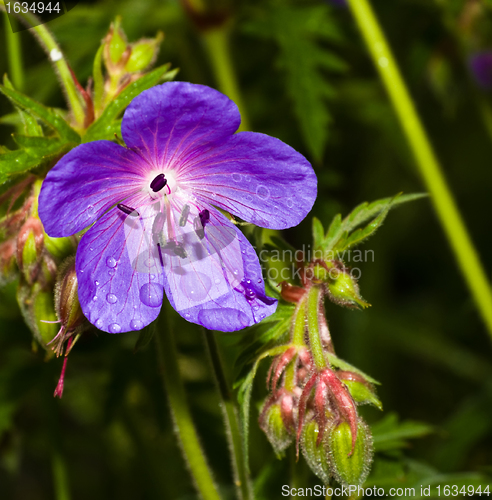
{"points": [[307, 79]]}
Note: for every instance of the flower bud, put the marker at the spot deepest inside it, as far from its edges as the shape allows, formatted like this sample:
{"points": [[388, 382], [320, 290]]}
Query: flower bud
{"points": [[36, 304], [344, 290], [350, 466], [143, 53], [66, 297], [115, 47], [317, 457], [277, 421], [30, 247]]}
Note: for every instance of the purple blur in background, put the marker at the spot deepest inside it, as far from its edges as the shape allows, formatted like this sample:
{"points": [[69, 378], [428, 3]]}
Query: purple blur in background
{"points": [[481, 69]]}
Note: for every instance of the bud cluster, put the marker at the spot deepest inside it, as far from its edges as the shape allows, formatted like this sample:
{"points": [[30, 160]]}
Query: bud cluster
{"points": [[312, 401]]}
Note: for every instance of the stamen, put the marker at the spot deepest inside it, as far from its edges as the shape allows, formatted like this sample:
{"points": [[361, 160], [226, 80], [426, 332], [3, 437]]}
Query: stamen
{"points": [[158, 183], [128, 210], [204, 217], [158, 226], [184, 215]]}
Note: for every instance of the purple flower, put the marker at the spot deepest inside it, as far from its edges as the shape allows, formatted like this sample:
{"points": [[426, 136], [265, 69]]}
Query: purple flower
{"points": [[481, 68], [153, 208]]}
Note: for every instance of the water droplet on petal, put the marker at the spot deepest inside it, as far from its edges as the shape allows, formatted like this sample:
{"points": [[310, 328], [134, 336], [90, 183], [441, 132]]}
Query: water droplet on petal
{"points": [[262, 316], [187, 315], [259, 281], [98, 323], [217, 281], [151, 294], [249, 293], [152, 277], [196, 286], [94, 298], [96, 283], [249, 198], [111, 272], [256, 307], [111, 298], [236, 177], [111, 262], [91, 210], [263, 192], [290, 202], [114, 328], [91, 249], [136, 324], [235, 272]]}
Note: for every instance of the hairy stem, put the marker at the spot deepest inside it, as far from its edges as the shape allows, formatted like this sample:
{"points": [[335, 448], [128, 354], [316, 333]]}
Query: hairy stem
{"points": [[185, 429], [313, 306], [56, 56], [241, 476], [217, 43], [426, 160], [14, 52]]}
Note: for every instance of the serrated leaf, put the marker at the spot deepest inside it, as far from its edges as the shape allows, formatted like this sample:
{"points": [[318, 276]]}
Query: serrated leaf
{"points": [[390, 434], [47, 115], [343, 233], [298, 32], [103, 127]]}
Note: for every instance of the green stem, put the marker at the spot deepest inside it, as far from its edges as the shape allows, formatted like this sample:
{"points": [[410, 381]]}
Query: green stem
{"points": [[299, 324], [314, 296], [14, 51], [60, 477], [55, 55], [426, 160], [173, 384], [241, 476], [217, 43]]}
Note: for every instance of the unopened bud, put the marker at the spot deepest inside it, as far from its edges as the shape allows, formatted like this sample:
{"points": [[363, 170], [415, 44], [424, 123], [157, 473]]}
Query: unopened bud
{"points": [[143, 54], [350, 465], [344, 290], [317, 456], [115, 45], [66, 297], [30, 246], [277, 422]]}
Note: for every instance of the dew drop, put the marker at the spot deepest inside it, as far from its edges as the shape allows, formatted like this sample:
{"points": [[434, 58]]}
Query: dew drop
{"points": [[235, 272], [96, 283], [236, 177], [151, 294], [91, 249], [217, 281], [98, 323], [111, 262], [196, 286], [249, 198], [256, 307], [263, 192], [152, 277], [114, 328], [259, 281], [249, 293], [111, 272], [136, 324], [290, 202], [94, 298], [187, 315], [262, 316], [91, 210], [111, 298]]}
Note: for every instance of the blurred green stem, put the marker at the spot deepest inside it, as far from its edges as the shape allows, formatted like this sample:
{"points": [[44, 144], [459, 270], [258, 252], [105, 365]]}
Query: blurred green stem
{"points": [[60, 477], [241, 476], [56, 56], [316, 348], [16, 69], [185, 429], [217, 43], [426, 160]]}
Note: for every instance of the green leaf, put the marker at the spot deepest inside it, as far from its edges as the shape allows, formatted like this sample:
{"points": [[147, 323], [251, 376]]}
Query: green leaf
{"points": [[299, 32], [318, 233], [47, 115], [103, 127], [389, 434], [344, 234], [31, 126]]}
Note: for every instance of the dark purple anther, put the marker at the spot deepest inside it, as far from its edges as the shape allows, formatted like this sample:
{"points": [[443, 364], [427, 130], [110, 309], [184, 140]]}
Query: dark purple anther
{"points": [[158, 183], [128, 210], [204, 217]]}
